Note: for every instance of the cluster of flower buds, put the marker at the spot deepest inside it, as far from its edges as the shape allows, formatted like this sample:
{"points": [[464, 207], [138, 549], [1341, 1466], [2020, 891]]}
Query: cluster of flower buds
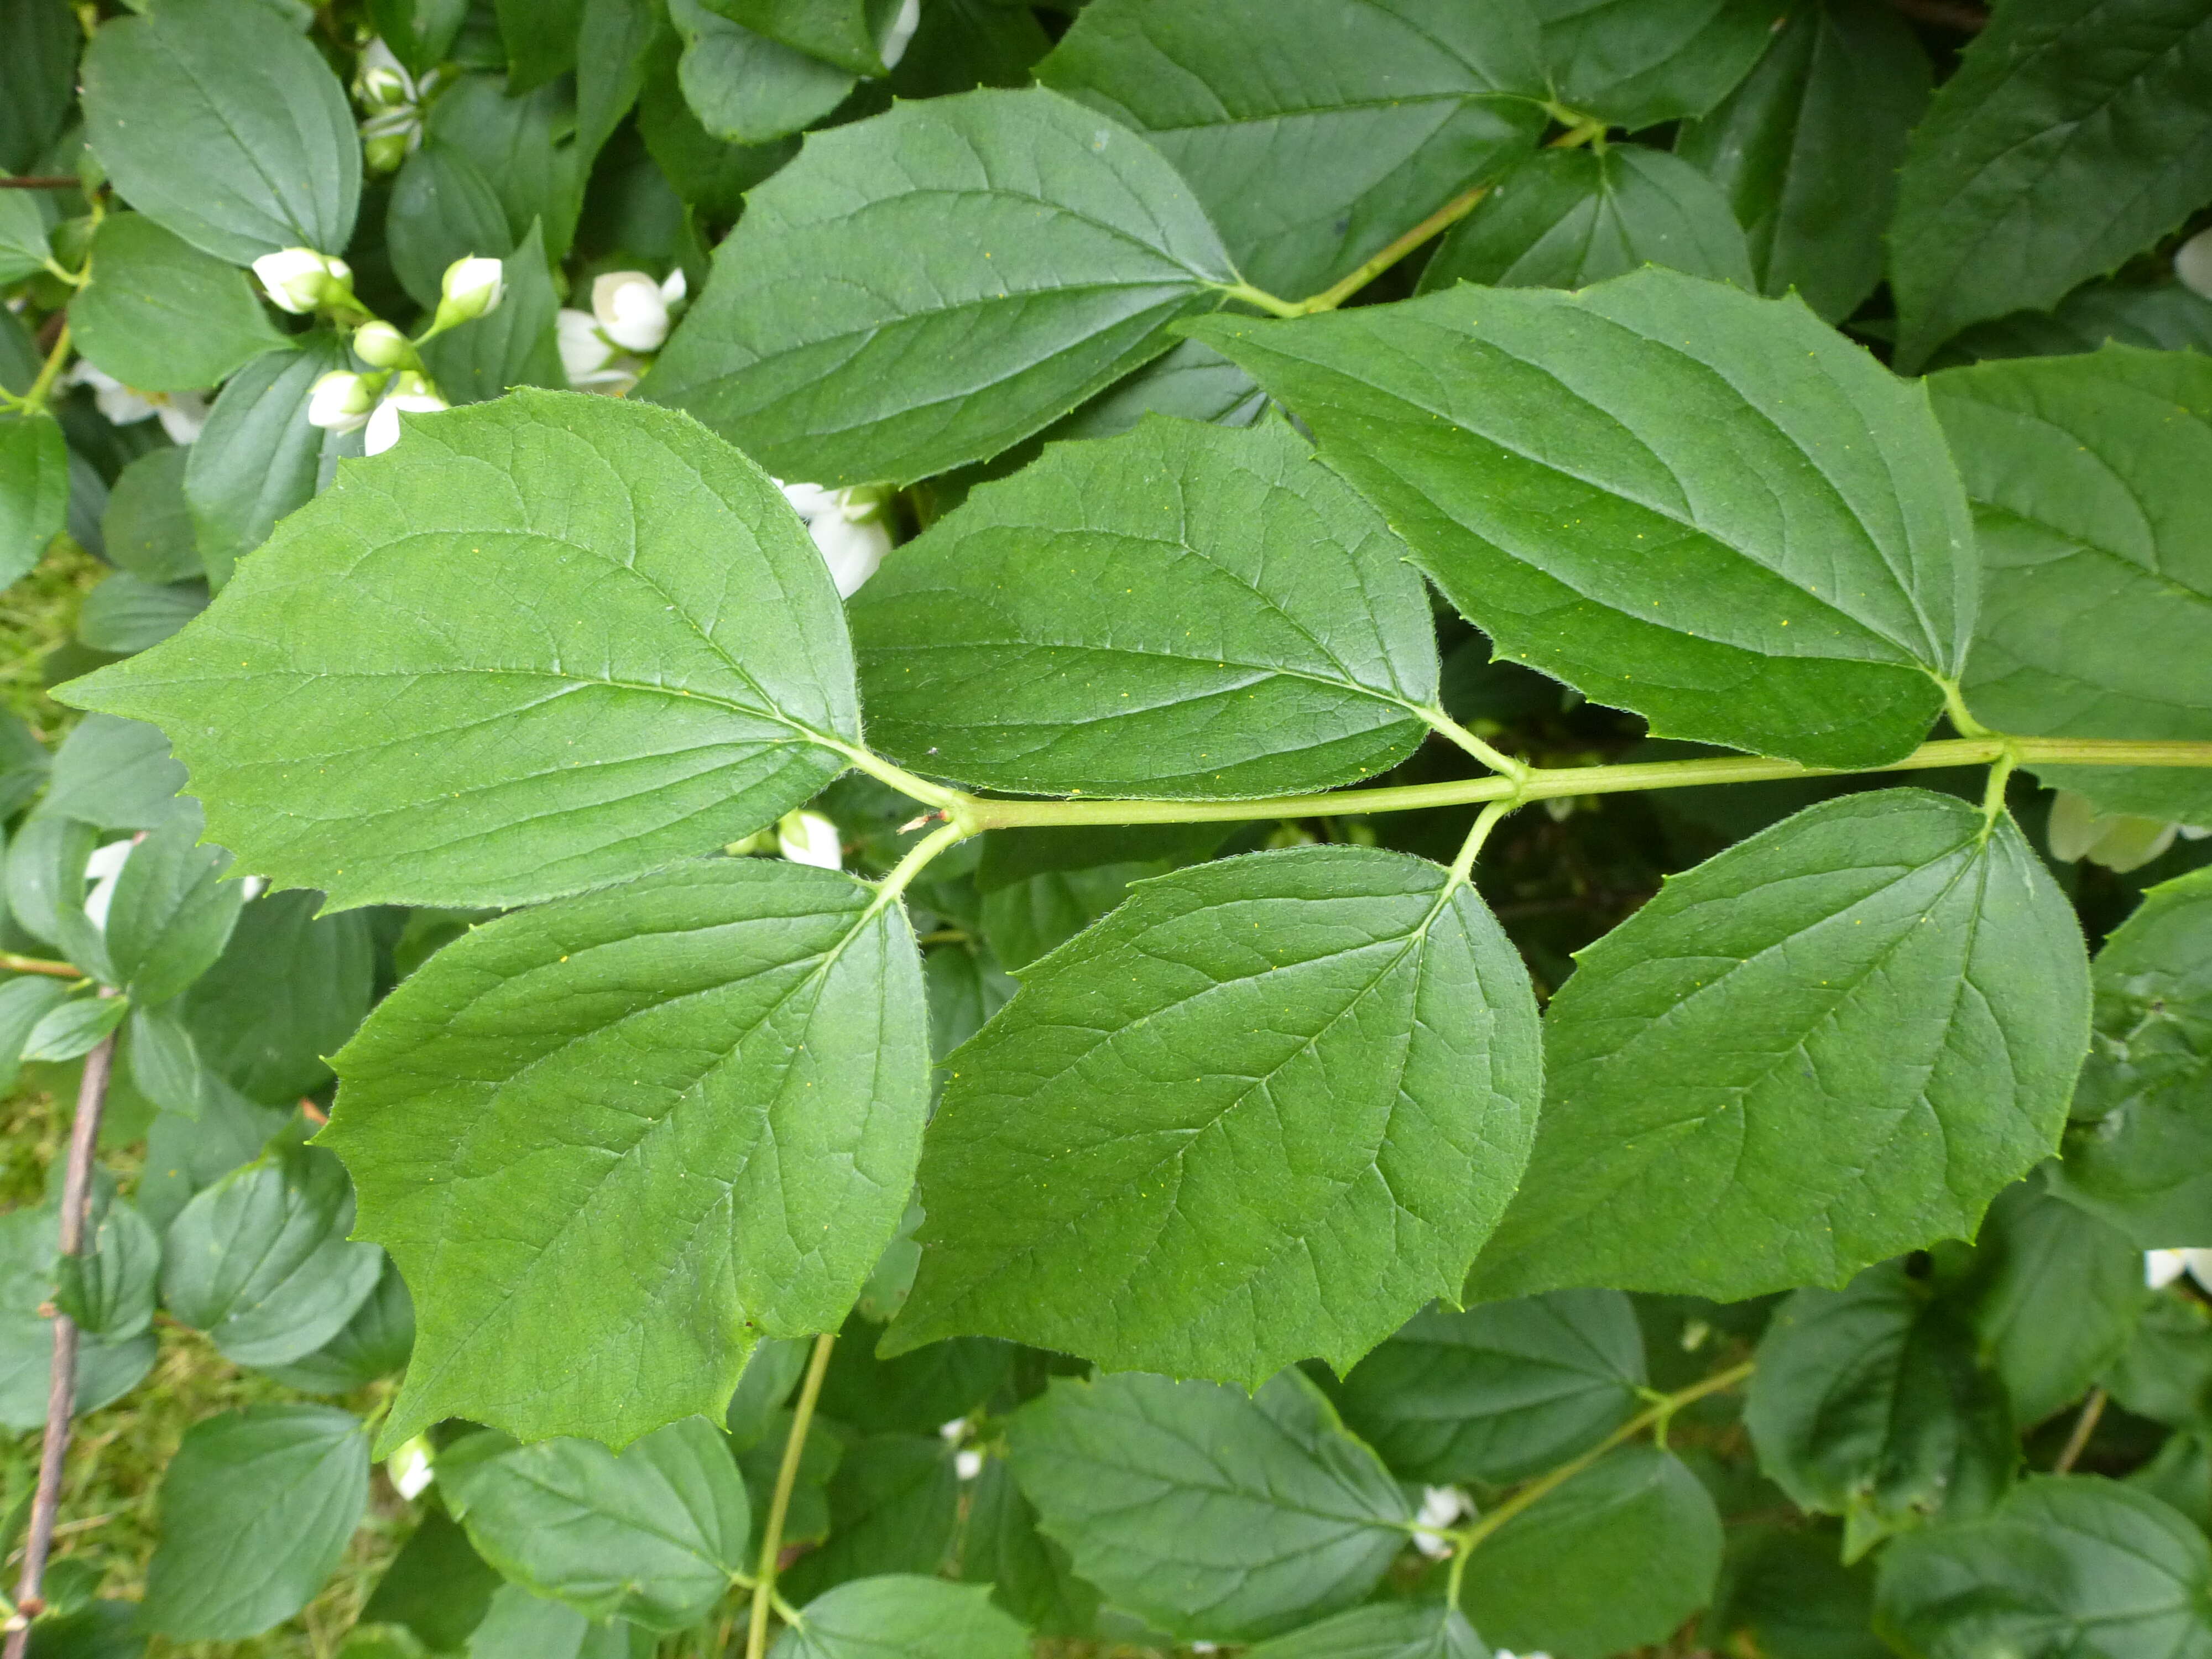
{"points": [[391, 128], [2077, 830], [344, 401], [851, 527], [604, 348], [300, 280]]}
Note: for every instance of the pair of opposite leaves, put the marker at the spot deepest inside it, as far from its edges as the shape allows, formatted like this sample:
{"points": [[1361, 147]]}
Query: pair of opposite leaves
{"points": [[553, 642]]}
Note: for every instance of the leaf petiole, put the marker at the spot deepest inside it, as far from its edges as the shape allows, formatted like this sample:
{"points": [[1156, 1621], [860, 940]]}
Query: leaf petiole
{"points": [[786, 1477]]}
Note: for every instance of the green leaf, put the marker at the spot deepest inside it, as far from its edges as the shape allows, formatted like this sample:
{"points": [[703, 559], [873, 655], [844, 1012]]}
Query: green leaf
{"points": [[709, 175], [1807, 147], [807, 1520], [1566, 218], [1211, 1513], [437, 1585], [1498, 1392], [1782, 1589], [602, 642], [2160, 317], [511, 345], [23, 249], [928, 287], [845, 33], [25, 1000], [172, 912], [160, 314], [261, 1262], [902, 1616], [2053, 1293], [1029, 1575], [1028, 919], [1264, 1111], [612, 50], [1758, 540], [288, 988], [257, 458], [114, 774], [771, 1373], [652, 1534], [1871, 1403], [520, 1626], [39, 42], [540, 36], [2086, 479], [74, 1028], [1040, 637], [45, 872], [419, 32], [1836, 1041], [147, 524], [233, 135], [2067, 1564], [376, 1342], [2140, 1153], [443, 208], [106, 1371], [1615, 1559], [2166, 1373], [959, 45], [525, 146], [1314, 132], [894, 1507], [917, 1392], [745, 87], [1637, 62], [34, 490], [684, 1112], [256, 1510], [1384, 1629], [125, 615], [2073, 135], [108, 1290]]}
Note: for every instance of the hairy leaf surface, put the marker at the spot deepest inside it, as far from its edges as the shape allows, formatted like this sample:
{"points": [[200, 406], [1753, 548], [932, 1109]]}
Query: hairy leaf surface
{"points": [[903, 1616]]}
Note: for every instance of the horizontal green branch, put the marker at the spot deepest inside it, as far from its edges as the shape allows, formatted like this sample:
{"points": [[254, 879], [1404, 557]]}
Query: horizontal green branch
{"points": [[1542, 783]]}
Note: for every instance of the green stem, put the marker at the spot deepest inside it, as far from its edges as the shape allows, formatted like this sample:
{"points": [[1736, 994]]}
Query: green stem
{"points": [[1470, 1538], [917, 856], [786, 1477], [1442, 220], [913, 787], [1954, 705], [12, 963], [1542, 783], [1449, 729], [35, 398], [1471, 849], [1267, 302]]}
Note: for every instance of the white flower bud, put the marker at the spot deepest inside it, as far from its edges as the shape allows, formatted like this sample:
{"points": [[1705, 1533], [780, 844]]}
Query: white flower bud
{"points": [[341, 400], [382, 345], [2193, 263], [967, 1464], [900, 35], [382, 81], [411, 397], [631, 310], [411, 1468], [809, 838], [854, 552], [471, 287], [299, 279], [810, 502]]}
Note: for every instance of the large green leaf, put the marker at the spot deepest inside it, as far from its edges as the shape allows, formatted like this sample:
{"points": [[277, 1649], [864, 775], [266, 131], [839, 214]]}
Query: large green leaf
{"points": [[1807, 147], [1211, 1513], [1313, 131], [2088, 477], [1029, 1575], [1263, 1112], [261, 1262], [161, 315], [1382, 1630], [172, 912], [900, 1616], [222, 127], [147, 523], [846, 33], [288, 990], [123, 614], [1615, 1559], [2068, 1565], [39, 42], [1836, 1041], [929, 287], [34, 490], [1871, 1403], [376, 1342], [654, 1535], [256, 1510], [894, 1507], [612, 1140], [545, 642], [1637, 62], [2076, 132], [258, 457], [1707, 507], [1187, 609], [2140, 1154], [524, 146], [1500, 1392], [745, 88], [1566, 218]]}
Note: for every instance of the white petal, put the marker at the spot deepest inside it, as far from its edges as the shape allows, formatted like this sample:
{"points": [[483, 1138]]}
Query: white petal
{"points": [[901, 35], [2162, 1268], [629, 306], [854, 552], [183, 416], [382, 430], [2193, 263], [809, 838], [2073, 829]]}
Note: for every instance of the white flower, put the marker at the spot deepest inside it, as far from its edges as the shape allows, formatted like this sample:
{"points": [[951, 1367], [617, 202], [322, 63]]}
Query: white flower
{"points": [[2193, 263], [299, 279], [956, 1430], [1440, 1507], [341, 400], [633, 309], [381, 345], [381, 80], [182, 413], [471, 288], [2161, 1267], [410, 1467], [591, 360], [967, 1464], [809, 838], [2077, 830], [901, 33], [104, 869], [848, 526], [410, 395]]}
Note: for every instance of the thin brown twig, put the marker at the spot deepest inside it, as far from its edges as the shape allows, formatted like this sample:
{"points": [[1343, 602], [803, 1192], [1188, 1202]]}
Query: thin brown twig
{"points": [[61, 1387], [2084, 1426]]}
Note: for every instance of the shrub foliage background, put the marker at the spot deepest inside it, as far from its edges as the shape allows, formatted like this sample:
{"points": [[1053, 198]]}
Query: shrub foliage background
{"points": [[906, 829]]}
